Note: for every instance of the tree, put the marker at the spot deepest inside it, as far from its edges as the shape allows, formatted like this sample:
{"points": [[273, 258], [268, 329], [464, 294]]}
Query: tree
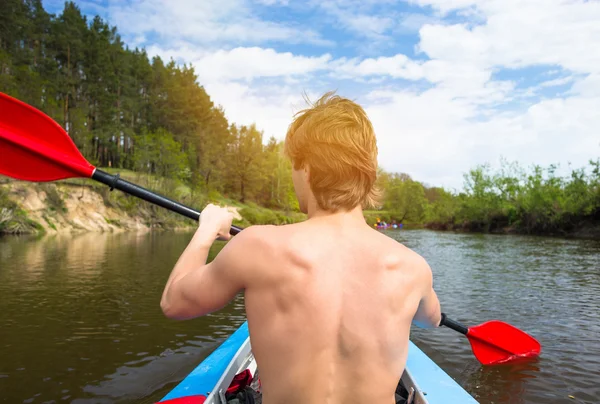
{"points": [[245, 160], [404, 198], [159, 153]]}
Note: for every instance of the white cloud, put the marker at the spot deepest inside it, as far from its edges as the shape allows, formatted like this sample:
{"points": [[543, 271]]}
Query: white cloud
{"points": [[358, 17], [435, 140], [398, 66], [588, 87], [271, 107], [179, 51], [249, 63], [434, 136], [462, 116], [557, 82], [412, 22], [445, 6], [520, 33], [207, 22], [272, 2]]}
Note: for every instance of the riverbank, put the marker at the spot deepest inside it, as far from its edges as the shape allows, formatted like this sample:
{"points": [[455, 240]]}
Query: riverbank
{"points": [[83, 206], [583, 230]]}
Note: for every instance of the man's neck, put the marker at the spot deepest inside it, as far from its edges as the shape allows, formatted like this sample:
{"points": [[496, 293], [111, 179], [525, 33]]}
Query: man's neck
{"points": [[353, 216]]}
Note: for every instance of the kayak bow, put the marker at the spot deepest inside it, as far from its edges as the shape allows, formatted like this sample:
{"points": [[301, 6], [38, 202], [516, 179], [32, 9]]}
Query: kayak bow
{"points": [[423, 381]]}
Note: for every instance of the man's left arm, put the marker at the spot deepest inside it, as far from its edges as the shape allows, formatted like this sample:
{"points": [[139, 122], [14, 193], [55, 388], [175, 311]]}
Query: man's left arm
{"points": [[196, 288]]}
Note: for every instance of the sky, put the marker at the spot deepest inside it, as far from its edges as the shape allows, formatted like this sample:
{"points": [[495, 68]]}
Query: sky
{"points": [[447, 84]]}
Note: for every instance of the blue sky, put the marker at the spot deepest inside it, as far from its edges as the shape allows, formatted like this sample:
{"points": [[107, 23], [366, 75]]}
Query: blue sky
{"points": [[448, 84]]}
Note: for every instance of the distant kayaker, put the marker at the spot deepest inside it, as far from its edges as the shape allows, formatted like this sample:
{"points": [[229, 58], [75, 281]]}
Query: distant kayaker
{"points": [[329, 301]]}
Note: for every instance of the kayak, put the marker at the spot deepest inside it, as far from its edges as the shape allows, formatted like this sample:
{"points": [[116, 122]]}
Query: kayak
{"points": [[229, 375], [388, 226]]}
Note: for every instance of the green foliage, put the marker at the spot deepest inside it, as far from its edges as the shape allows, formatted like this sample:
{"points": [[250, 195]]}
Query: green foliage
{"points": [[127, 112], [5, 201], [53, 198], [114, 222], [49, 222], [404, 199], [214, 196], [159, 153], [537, 201], [245, 172], [254, 214], [14, 220], [441, 207], [534, 201]]}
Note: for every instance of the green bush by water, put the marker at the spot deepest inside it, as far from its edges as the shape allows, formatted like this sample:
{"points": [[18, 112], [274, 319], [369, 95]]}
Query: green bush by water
{"points": [[13, 219]]}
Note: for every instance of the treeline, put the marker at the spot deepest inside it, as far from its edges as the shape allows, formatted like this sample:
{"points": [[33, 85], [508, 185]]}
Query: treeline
{"points": [[126, 111], [533, 201]]}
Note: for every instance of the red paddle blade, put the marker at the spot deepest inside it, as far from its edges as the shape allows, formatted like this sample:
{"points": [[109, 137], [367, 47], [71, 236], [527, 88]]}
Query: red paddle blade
{"points": [[34, 147], [497, 342]]}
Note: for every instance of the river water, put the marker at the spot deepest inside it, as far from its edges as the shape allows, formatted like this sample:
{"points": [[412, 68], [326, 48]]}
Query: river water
{"points": [[80, 320]]}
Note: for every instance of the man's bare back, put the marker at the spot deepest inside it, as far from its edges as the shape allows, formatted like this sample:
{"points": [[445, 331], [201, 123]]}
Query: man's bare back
{"points": [[330, 312], [329, 301]]}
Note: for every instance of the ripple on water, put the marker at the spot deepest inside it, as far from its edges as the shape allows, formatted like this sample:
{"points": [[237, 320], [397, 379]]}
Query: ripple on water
{"points": [[548, 287], [85, 324]]}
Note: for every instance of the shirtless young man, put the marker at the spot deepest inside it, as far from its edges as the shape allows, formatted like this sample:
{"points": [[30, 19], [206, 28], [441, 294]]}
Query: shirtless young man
{"points": [[329, 301]]}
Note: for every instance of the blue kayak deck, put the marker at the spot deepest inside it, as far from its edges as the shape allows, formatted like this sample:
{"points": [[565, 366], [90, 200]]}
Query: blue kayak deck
{"points": [[437, 385], [205, 376], [430, 379]]}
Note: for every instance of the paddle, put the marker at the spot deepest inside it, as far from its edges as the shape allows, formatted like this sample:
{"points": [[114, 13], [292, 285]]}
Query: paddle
{"points": [[495, 342], [33, 147]]}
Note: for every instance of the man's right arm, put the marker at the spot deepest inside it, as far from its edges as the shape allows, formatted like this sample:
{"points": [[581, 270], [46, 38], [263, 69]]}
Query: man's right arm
{"points": [[429, 313]]}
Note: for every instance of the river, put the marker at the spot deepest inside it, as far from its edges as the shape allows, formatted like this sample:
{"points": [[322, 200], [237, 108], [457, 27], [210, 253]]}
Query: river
{"points": [[80, 320]]}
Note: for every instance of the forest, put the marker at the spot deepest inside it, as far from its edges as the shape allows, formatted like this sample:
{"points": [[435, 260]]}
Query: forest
{"points": [[127, 111], [510, 199]]}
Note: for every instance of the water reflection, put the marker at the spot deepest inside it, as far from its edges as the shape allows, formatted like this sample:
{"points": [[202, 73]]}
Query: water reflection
{"points": [[80, 318], [78, 311], [504, 383], [548, 287]]}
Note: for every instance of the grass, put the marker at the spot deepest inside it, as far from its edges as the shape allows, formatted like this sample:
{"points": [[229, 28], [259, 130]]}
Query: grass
{"points": [[114, 222], [53, 197], [13, 219], [16, 222], [254, 214], [49, 222]]}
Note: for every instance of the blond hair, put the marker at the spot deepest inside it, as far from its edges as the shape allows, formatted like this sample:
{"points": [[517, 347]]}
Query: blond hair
{"points": [[335, 140]]}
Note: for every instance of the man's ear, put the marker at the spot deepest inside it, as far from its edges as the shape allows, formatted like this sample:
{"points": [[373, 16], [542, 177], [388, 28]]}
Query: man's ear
{"points": [[306, 172]]}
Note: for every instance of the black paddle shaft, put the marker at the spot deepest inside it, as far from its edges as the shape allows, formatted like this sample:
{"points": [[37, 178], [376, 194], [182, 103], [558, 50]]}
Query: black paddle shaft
{"points": [[114, 181], [456, 326]]}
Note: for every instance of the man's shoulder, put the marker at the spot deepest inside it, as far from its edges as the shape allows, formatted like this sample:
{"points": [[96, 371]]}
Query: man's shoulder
{"points": [[266, 232], [418, 265], [256, 235], [261, 248], [399, 256], [264, 238], [257, 230]]}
